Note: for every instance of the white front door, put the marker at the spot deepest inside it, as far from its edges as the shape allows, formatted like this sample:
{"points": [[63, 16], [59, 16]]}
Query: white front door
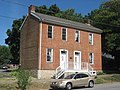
{"points": [[63, 59], [77, 60]]}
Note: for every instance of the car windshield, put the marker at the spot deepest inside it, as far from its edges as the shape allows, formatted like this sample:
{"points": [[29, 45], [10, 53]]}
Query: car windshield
{"points": [[69, 76]]}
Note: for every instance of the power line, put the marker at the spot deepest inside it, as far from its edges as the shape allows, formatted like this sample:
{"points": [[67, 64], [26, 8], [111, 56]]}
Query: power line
{"points": [[107, 24], [20, 4], [13, 2], [7, 17], [94, 21]]}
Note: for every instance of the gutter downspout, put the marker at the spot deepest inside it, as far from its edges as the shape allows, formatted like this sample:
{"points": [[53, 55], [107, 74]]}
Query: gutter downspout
{"points": [[39, 51]]}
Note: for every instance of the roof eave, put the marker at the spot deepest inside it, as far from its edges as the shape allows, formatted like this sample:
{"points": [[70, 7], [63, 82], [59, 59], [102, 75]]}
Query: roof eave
{"points": [[40, 19], [23, 22]]}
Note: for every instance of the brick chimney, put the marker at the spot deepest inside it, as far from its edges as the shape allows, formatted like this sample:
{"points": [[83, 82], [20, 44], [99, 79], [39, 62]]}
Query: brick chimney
{"points": [[31, 9]]}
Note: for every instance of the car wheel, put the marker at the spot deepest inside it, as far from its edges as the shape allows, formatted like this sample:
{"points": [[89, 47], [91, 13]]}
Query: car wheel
{"points": [[68, 86], [91, 84]]}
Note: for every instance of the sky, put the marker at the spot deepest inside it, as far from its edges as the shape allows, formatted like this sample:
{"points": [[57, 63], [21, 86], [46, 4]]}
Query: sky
{"points": [[13, 9]]}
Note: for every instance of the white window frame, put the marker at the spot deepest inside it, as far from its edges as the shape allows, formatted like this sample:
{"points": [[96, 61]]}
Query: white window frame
{"points": [[51, 55], [52, 31], [78, 36], [90, 39], [62, 34], [91, 60]]}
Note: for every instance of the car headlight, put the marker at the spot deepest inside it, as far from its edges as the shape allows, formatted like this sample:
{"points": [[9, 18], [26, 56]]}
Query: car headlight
{"points": [[60, 82]]}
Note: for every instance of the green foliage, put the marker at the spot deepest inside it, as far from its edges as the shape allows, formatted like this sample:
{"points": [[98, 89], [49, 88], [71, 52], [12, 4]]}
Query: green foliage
{"points": [[13, 40], [54, 10], [100, 73], [107, 78], [42, 9], [23, 78], [107, 18], [5, 55], [99, 81], [70, 15], [7, 87], [14, 72], [114, 78]]}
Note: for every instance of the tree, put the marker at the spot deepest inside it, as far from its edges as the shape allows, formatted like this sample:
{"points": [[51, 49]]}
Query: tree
{"points": [[13, 40], [70, 15], [107, 18], [53, 10], [5, 55], [42, 9]]}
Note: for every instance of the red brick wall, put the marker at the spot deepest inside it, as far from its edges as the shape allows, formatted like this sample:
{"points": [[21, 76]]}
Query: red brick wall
{"points": [[56, 44], [29, 44]]}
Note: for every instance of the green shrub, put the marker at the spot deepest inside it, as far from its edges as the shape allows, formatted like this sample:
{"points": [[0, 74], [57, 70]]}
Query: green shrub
{"points": [[108, 78], [116, 77], [99, 81], [23, 79], [14, 72], [100, 73]]}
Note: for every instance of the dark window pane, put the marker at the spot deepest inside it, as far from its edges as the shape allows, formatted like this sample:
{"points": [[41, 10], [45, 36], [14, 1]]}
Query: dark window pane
{"points": [[49, 54], [78, 76], [64, 34], [77, 36], [90, 38], [84, 75], [49, 31]]}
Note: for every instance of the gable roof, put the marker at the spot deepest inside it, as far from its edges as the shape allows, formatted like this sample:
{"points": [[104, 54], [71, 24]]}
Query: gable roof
{"points": [[66, 23]]}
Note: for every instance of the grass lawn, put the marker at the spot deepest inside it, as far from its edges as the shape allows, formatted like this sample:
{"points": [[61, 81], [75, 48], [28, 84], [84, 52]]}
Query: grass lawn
{"points": [[7, 82], [107, 78], [11, 84]]}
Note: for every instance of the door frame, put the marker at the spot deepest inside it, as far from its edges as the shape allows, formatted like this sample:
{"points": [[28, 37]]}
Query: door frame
{"points": [[66, 57], [79, 59]]}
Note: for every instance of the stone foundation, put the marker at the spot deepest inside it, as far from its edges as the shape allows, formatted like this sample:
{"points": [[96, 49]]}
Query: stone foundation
{"points": [[47, 74], [42, 74], [33, 73]]}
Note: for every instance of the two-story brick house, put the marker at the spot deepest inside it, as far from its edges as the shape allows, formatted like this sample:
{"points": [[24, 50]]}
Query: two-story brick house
{"points": [[50, 45]]}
